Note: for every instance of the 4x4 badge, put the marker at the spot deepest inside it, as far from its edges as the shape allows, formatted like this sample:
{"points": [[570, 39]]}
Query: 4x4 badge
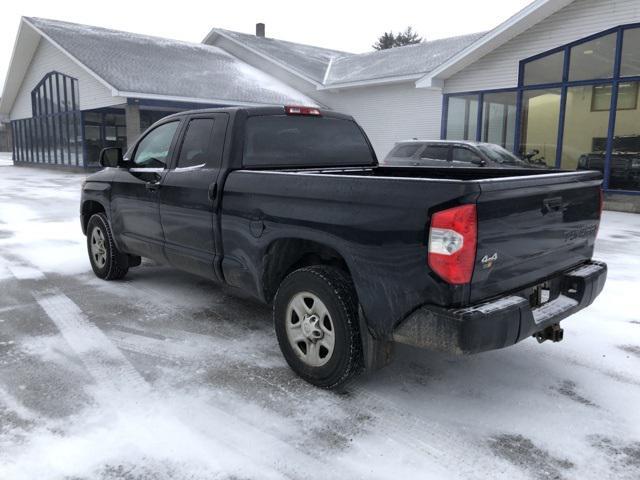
{"points": [[487, 261]]}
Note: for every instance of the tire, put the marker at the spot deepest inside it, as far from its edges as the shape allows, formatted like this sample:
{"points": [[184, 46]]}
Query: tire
{"points": [[320, 341], [106, 260]]}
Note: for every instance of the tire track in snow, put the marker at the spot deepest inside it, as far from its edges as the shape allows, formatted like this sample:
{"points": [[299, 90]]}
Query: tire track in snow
{"points": [[104, 361], [113, 372], [410, 432]]}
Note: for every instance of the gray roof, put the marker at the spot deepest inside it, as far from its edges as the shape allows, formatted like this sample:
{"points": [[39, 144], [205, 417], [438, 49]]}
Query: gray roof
{"points": [[400, 61], [343, 67], [307, 60], [151, 65]]}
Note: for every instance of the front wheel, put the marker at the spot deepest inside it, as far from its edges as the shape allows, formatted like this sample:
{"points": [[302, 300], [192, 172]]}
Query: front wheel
{"points": [[315, 315], [106, 260]]}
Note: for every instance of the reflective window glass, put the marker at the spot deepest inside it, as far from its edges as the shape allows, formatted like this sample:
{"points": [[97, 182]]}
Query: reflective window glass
{"points": [[593, 59], [585, 131], [539, 127], [499, 119], [630, 52], [462, 117], [625, 156], [544, 70]]}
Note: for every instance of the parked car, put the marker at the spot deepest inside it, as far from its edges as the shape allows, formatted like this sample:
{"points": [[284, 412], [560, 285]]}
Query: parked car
{"points": [[290, 205], [624, 171], [454, 153]]}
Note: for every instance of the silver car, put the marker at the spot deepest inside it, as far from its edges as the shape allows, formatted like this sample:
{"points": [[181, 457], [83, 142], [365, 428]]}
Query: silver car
{"points": [[453, 153]]}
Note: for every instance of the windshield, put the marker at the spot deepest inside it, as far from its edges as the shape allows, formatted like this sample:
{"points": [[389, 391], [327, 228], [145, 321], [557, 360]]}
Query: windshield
{"points": [[500, 155]]}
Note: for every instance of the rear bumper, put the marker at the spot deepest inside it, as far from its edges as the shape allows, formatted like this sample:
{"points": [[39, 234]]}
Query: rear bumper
{"points": [[500, 322]]}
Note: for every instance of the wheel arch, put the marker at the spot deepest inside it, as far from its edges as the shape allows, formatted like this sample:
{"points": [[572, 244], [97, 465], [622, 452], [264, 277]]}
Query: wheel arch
{"points": [[284, 255], [89, 208]]}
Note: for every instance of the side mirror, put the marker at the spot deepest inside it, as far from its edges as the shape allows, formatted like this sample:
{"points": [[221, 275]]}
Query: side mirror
{"points": [[111, 157], [479, 162]]}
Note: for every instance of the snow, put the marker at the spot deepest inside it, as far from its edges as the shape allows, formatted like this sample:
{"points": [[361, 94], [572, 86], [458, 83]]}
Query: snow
{"points": [[165, 375], [407, 60], [151, 65]]}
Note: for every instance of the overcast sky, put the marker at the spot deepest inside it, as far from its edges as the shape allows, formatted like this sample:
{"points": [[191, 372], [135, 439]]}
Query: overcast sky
{"points": [[339, 24]]}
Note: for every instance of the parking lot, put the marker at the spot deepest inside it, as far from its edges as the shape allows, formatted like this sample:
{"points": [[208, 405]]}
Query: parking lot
{"points": [[166, 375]]}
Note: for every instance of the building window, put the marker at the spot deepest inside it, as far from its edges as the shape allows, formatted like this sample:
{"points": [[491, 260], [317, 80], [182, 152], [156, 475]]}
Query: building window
{"points": [[547, 69], [462, 117], [593, 59], [499, 118], [51, 136], [539, 125], [585, 131], [625, 155], [630, 64], [102, 130]]}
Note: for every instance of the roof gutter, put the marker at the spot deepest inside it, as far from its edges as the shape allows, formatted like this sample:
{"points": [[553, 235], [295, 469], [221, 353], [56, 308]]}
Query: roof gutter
{"points": [[372, 82]]}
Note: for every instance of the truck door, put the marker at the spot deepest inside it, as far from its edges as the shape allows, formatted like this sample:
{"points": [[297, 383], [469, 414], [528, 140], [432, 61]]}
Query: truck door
{"points": [[135, 215], [188, 194]]}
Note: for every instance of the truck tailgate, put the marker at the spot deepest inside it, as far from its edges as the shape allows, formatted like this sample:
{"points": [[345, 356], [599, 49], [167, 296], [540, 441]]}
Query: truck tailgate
{"points": [[530, 228]]}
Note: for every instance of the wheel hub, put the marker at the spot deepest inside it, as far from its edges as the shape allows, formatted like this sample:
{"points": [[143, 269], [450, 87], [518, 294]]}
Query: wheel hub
{"points": [[311, 327]]}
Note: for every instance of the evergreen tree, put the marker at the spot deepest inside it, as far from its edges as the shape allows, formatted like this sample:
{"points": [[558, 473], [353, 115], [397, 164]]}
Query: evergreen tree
{"points": [[385, 41], [389, 40], [408, 37]]}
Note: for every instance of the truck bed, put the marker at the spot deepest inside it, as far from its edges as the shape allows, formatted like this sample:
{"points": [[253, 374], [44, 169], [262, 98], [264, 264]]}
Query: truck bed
{"points": [[378, 219]]}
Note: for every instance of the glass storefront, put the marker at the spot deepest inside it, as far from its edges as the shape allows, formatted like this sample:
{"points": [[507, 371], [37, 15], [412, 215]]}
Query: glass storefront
{"points": [[561, 111]]}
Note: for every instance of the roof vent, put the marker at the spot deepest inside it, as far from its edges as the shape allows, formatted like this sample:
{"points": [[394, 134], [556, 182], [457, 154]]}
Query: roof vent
{"points": [[260, 30]]}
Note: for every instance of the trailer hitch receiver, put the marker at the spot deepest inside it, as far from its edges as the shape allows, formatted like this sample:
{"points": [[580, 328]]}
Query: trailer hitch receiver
{"points": [[553, 332]]}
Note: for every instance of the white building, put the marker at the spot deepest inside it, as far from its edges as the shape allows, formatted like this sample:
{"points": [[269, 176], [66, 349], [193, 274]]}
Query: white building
{"points": [[560, 77]]}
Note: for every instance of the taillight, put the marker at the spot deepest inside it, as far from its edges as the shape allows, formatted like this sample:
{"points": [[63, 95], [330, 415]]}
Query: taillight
{"points": [[293, 110], [452, 243]]}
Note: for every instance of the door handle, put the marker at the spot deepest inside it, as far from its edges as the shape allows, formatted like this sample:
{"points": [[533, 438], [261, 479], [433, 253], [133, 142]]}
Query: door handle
{"points": [[213, 191], [152, 186]]}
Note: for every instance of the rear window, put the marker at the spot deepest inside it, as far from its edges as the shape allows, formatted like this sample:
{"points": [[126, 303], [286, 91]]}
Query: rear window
{"points": [[283, 140]]}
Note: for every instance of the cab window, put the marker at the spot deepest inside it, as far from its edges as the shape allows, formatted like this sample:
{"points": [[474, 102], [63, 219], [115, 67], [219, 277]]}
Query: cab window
{"points": [[153, 149], [195, 146]]}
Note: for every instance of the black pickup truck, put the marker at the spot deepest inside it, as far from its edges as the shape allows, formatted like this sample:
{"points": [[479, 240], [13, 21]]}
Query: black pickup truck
{"points": [[290, 205]]}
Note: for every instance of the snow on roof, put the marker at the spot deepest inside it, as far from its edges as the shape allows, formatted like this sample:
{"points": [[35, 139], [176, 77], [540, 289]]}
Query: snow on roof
{"points": [[144, 64], [334, 67], [308, 60], [400, 61]]}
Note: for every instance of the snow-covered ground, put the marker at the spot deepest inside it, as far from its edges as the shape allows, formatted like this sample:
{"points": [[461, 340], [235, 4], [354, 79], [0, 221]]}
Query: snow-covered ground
{"points": [[165, 375]]}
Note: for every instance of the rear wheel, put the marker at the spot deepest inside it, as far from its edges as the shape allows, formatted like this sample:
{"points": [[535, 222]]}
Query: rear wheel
{"points": [[316, 321], [106, 260]]}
